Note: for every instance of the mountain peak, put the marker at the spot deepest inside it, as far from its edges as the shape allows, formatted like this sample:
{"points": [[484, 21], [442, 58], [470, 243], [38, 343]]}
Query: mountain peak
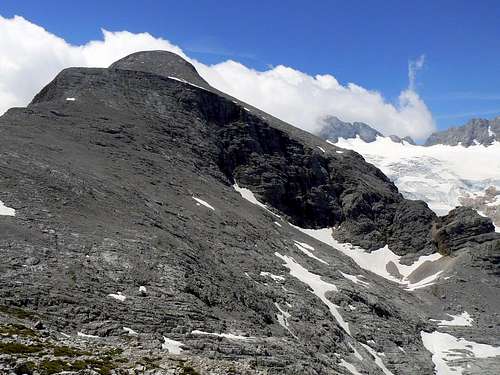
{"points": [[334, 128], [162, 63]]}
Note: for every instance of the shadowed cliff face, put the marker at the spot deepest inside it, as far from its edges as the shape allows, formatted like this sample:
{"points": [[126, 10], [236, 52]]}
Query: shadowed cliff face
{"points": [[123, 178]]}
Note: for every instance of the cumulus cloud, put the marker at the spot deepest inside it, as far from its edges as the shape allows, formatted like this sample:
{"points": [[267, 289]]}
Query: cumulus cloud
{"points": [[32, 56]]}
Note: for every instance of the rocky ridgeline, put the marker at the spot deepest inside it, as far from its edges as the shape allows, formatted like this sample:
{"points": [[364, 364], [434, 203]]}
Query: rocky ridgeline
{"points": [[331, 128], [129, 231], [476, 131]]}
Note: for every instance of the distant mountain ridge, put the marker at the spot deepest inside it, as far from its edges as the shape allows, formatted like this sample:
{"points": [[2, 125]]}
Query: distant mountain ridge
{"points": [[476, 131], [333, 128]]}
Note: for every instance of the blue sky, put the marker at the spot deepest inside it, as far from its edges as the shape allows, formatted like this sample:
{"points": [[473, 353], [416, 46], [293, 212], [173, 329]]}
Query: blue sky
{"points": [[365, 42]]}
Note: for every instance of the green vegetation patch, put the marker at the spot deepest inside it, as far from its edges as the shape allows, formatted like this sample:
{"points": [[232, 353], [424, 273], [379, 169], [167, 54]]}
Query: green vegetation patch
{"points": [[17, 348], [113, 352], [16, 329], [49, 367]]}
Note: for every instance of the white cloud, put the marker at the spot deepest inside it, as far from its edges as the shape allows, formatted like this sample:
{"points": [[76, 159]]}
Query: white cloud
{"points": [[413, 67], [31, 56]]}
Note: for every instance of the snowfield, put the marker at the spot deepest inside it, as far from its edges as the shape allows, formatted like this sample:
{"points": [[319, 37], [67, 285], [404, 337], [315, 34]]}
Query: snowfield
{"points": [[443, 176], [450, 354]]}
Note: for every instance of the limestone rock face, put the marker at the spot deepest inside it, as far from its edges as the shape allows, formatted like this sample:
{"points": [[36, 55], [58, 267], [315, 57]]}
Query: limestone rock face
{"points": [[131, 244]]}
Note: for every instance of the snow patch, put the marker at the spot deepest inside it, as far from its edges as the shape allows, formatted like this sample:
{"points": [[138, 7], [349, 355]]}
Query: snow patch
{"points": [[356, 353], [355, 279], [173, 347], [118, 296], [303, 244], [274, 277], [318, 286], [6, 211], [322, 149], [203, 203], [229, 336], [130, 331], [186, 82], [349, 367], [424, 283], [278, 224], [283, 318], [462, 320], [449, 353], [249, 196], [304, 249], [81, 334], [378, 360], [70, 99]]}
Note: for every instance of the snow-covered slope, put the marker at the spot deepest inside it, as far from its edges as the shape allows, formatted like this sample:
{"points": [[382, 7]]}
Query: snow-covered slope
{"points": [[441, 175]]}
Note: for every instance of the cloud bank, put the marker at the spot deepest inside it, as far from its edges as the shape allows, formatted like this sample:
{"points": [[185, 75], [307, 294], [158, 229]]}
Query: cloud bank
{"points": [[30, 57]]}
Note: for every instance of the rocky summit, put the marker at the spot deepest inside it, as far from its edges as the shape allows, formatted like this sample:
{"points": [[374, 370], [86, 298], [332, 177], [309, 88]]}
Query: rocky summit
{"points": [[151, 224]]}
